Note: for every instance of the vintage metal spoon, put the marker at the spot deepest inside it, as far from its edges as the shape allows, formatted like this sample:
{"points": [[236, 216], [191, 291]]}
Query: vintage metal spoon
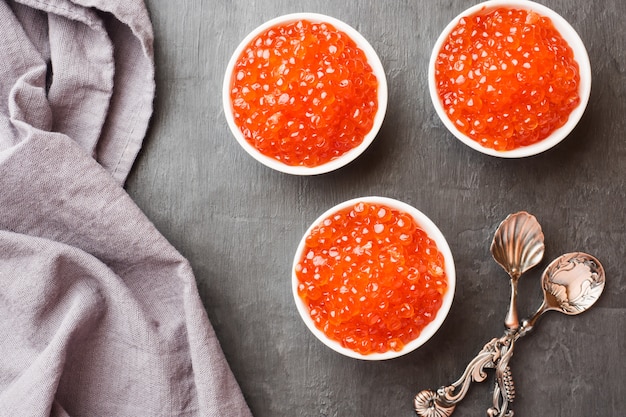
{"points": [[517, 246], [572, 283]]}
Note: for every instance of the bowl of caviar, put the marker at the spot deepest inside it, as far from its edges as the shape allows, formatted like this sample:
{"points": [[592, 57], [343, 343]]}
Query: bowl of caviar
{"points": [[373, 278], [304, 94], [509, 78]]}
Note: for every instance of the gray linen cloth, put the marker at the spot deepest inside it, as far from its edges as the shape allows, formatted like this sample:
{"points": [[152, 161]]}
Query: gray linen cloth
{"points": [[99, 314]]}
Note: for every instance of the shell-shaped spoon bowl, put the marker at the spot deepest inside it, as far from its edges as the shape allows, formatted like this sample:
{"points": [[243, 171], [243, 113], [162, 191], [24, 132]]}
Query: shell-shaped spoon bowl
{"points": [[517, 246], [518, 243]]}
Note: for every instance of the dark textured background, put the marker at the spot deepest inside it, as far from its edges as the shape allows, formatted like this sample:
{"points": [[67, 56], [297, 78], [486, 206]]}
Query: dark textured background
{"points": [[239, 222]]}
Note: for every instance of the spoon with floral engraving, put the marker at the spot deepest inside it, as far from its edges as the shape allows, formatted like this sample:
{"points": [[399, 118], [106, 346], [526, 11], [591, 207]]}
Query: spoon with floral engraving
{"points": [[571, 284]]}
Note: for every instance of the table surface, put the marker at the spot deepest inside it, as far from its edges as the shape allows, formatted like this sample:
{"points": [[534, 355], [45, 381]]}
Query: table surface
{"points": [[239, 222]]}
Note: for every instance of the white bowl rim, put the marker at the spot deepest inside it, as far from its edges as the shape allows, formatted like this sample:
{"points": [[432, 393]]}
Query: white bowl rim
{"points": [[580, 55], [372, 59], [442, 245]]}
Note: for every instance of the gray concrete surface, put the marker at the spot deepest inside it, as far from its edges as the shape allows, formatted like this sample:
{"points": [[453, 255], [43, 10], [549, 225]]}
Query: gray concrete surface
{"points": [[239, 223]]}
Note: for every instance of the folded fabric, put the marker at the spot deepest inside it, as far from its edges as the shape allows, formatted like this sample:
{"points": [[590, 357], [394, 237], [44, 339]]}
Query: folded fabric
{"points": [[99, 314]]}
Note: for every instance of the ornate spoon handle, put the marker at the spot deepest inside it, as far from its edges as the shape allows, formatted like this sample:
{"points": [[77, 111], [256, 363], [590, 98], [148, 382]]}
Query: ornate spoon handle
{"points": [[442, 403], [504, 391]]}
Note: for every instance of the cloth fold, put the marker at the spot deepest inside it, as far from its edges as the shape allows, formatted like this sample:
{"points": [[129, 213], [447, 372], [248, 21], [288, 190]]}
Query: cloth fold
{"points": [[100, 315]]}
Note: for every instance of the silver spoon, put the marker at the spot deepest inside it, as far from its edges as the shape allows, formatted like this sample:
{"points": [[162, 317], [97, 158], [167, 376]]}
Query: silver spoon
{"points": [[517, 246], [572, 283]]}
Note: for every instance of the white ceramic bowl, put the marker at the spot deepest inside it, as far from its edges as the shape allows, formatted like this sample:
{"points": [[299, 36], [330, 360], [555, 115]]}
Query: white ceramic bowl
{"points": [[580, 55], [431, 230], [347, 157]]}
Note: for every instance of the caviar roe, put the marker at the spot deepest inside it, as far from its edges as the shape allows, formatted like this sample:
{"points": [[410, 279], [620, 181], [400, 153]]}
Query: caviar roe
{"points": [[371, 278], [507, 78], [303, 93]]}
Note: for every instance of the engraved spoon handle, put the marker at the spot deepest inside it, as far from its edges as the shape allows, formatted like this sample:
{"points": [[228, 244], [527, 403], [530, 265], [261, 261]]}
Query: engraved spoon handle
{"points": [[443, 402], [504, 391]]}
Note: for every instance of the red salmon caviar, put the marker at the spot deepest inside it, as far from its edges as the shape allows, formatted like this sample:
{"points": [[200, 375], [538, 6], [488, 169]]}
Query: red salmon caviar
{"points": [[507, 78], [371, 278], [303, 93]]}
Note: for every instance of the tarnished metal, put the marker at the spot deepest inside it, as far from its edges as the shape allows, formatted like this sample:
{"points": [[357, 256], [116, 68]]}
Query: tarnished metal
{"points": [[504, 390], [429, 403], [517, 246], [571, 284]]}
